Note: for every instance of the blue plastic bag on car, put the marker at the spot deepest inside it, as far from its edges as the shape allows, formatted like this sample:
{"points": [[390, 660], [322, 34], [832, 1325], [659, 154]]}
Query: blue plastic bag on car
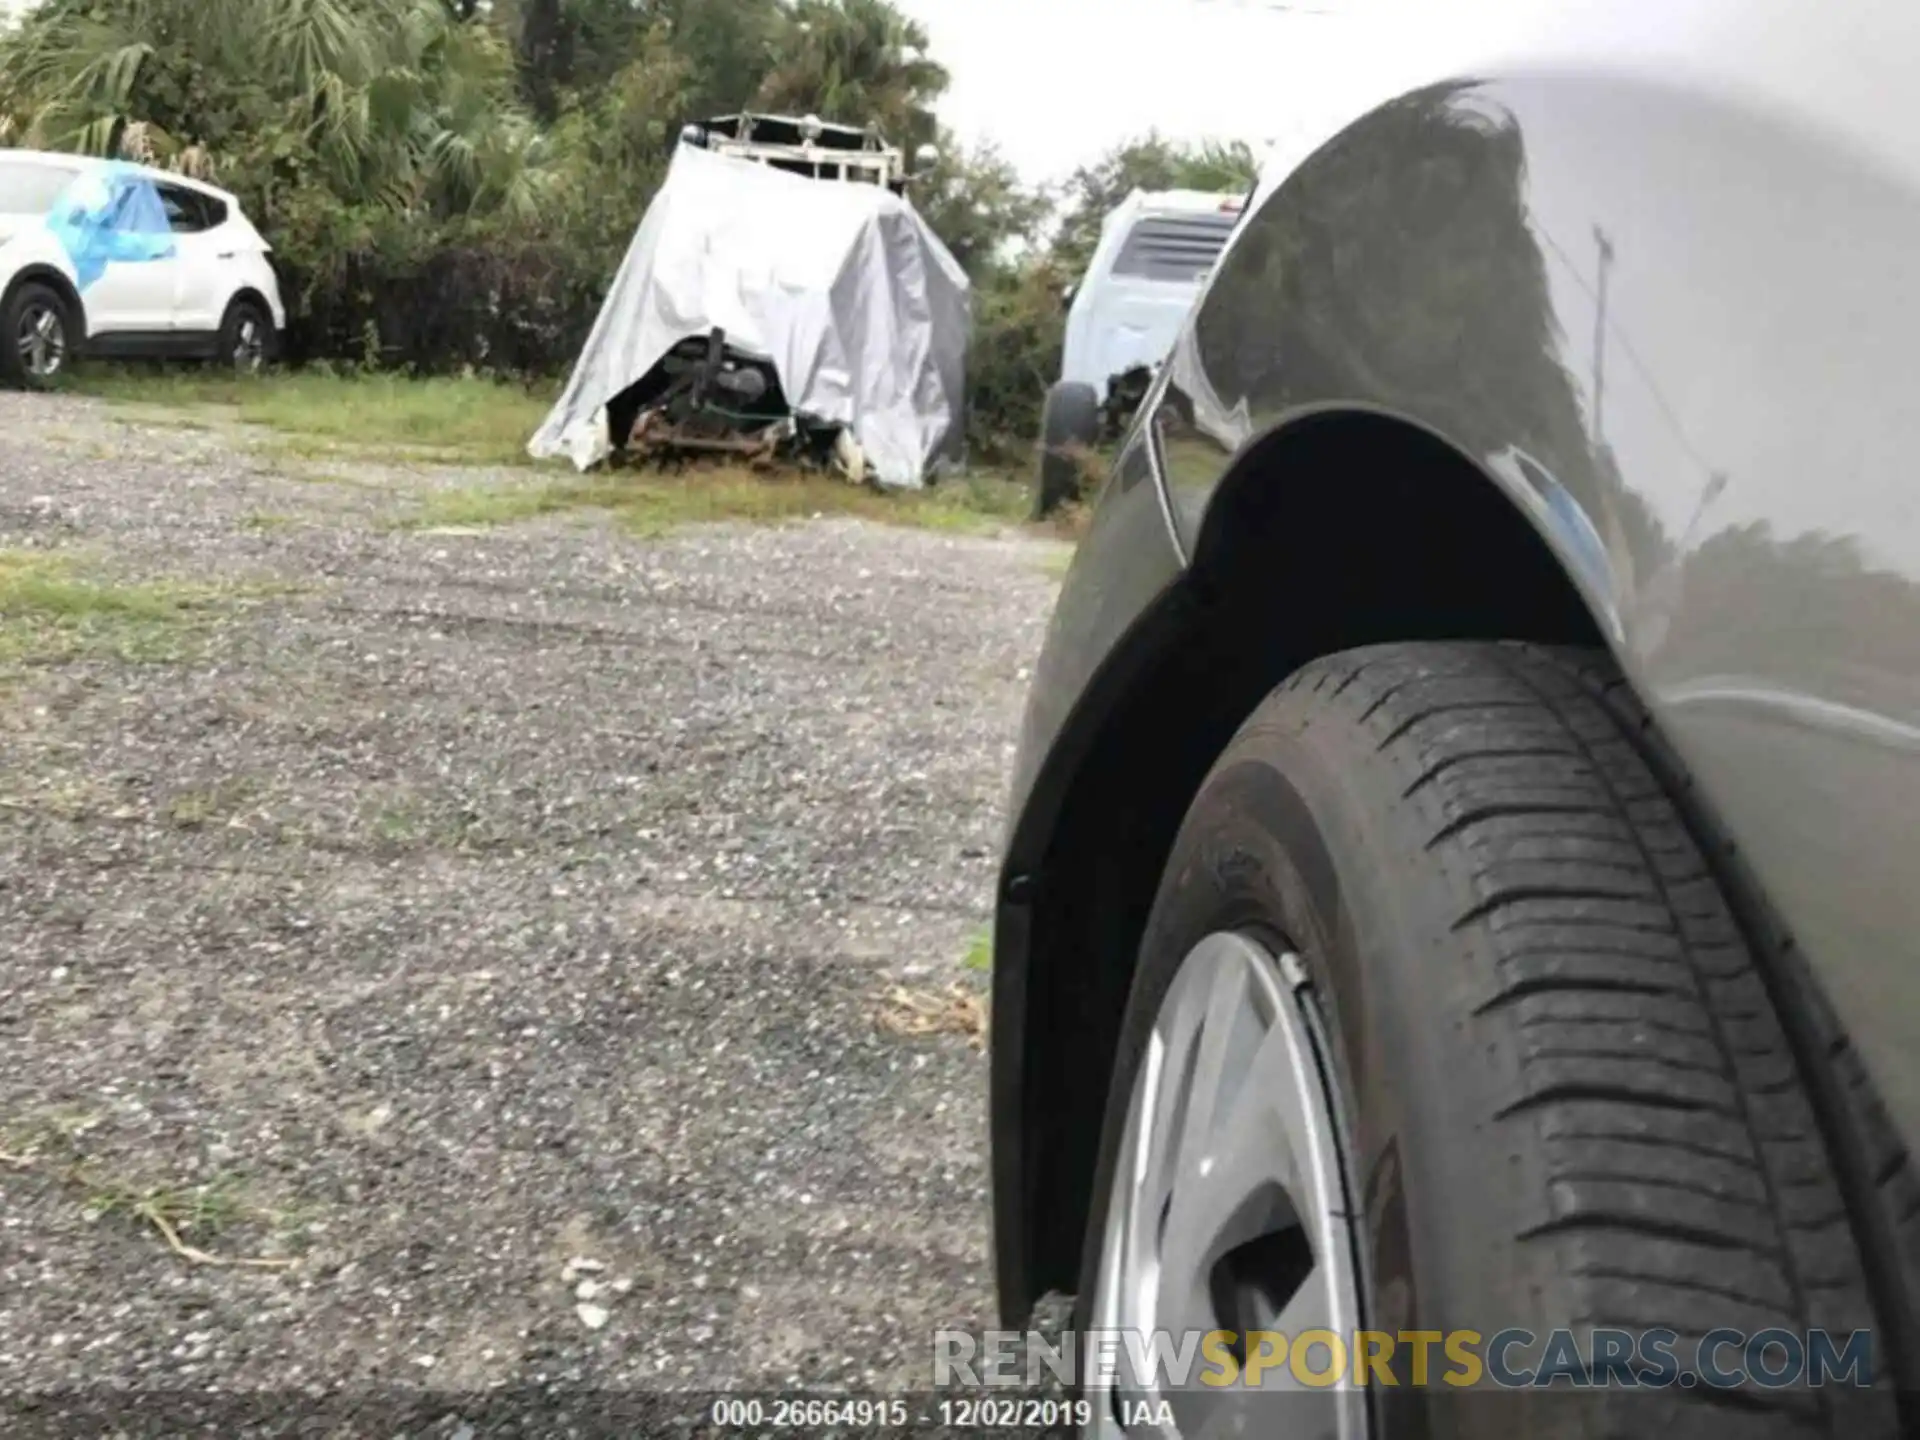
{"points": [[111, 213]]}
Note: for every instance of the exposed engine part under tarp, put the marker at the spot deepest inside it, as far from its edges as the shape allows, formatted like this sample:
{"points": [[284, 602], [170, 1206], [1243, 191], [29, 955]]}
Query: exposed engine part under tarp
{"points": [[861, 311], [110, 213]]}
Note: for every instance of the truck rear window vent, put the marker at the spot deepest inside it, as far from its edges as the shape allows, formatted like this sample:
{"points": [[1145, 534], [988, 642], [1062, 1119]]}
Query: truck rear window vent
{"points": [[1177, 248]]}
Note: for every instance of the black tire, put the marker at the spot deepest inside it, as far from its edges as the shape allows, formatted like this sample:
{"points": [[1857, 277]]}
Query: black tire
{"points": [[26, 301], [1069, 430], [1569, 1098], [247, 342]]}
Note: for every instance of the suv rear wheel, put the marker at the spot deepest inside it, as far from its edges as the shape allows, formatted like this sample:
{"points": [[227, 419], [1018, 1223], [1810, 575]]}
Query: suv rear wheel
{"points": [[1442, 1023], [246, 339]]}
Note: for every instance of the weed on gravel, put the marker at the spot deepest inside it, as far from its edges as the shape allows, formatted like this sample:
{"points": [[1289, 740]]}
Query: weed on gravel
{"points": [[181, 1215], [979, 957], [216, 804], [50, 610]]}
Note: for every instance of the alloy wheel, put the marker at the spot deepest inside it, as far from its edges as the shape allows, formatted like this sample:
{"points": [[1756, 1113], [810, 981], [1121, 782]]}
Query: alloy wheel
{"points": [[42, 339], [249, 344], [1229, 1210]]}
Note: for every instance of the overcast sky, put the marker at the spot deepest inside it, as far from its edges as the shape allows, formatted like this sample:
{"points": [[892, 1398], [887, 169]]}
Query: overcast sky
{"points": [[1057, 82]]}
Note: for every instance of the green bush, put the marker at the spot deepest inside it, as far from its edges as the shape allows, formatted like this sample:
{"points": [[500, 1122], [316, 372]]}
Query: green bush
{"points": [[373, 290], [1019, 322]]}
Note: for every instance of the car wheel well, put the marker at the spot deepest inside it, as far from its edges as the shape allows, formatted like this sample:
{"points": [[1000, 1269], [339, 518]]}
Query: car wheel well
{"points": [[58, 283], [1357, 529], [251, 296]]}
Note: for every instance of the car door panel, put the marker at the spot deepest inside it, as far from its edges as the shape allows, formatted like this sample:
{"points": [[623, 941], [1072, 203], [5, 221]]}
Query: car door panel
{"points": [[125, 260], [206, 242]]}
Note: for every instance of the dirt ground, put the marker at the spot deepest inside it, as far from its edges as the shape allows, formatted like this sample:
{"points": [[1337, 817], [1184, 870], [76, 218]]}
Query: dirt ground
{"points": [[482, 930]]}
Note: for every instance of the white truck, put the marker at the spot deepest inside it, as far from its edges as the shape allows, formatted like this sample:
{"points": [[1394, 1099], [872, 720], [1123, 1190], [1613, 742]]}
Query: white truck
{"points": [[1155, 252]]}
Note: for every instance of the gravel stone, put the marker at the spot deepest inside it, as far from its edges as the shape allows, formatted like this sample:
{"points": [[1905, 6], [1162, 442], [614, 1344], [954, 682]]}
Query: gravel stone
{"points": [[471, 909], [594, 1317]]}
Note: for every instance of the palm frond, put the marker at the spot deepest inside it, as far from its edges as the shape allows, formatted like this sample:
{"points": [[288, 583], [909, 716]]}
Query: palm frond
{"points": [[99, 135]]}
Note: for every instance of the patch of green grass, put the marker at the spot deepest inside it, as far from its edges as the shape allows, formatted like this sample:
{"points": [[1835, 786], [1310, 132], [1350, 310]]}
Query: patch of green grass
{"points": [[397, 822], [452, 420], [327, 477], [268, 520], [306, 449], [313, 415], [651, 503], [396, 826], [979, 957], [486, 505], [50, 611]]}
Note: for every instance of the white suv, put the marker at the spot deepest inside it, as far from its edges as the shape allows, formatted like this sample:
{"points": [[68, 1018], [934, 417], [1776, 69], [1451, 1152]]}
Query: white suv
{"points": [[104, 257]]}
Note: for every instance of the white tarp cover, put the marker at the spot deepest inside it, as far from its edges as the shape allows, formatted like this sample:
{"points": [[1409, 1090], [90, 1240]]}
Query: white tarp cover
{"points": [[861, 310]]}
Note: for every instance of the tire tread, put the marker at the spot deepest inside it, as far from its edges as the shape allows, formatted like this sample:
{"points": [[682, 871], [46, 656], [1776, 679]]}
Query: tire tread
{"points": [[1686, 1174]]}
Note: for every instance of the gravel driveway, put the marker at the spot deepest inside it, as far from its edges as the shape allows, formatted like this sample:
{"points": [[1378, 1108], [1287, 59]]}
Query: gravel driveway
{"points": [[436, 910]]}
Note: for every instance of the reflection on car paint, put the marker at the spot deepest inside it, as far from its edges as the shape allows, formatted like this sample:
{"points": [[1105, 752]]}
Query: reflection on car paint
{"points": [[1666, 324]]}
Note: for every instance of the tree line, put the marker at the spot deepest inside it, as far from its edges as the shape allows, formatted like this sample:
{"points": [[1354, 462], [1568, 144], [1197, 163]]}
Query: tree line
{"points": [[450, 184]]}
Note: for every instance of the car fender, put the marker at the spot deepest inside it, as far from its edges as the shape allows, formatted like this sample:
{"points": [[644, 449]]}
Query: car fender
{"points": [[1670, 317], [253, 276], [253, 269], [1652, 285], [34, 253]]}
